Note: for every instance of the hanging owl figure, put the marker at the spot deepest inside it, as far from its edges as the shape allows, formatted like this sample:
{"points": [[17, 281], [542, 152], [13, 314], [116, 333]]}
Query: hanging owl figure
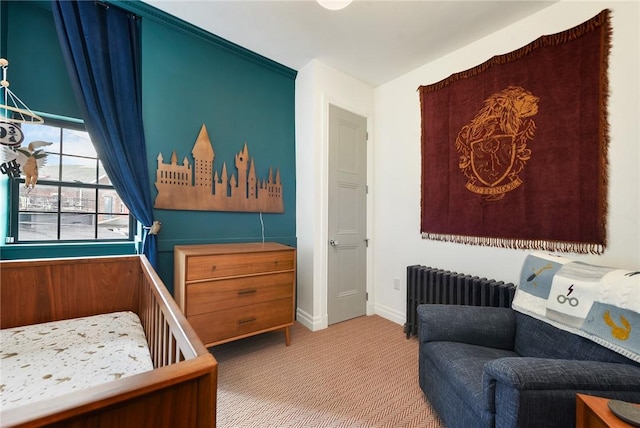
{"points": [[29, 160]]}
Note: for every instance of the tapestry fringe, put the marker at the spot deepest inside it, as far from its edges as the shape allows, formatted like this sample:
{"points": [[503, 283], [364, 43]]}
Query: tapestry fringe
{"points": [[549, 40], [605, 42], [519, 244]]}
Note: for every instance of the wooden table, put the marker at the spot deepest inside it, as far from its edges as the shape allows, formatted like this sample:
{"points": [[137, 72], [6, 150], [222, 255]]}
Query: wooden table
{"points": [[593, 412]]}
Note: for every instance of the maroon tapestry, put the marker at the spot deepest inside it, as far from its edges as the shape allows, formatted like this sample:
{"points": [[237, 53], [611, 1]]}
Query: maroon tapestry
{"points": [[514, 151]]}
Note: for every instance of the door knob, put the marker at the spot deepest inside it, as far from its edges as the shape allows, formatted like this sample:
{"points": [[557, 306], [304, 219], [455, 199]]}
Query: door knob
{"points": [[333, 242]]}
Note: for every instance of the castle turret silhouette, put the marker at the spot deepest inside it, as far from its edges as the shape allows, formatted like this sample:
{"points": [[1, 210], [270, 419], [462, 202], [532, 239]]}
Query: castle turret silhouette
{"points": [[252, 182], [242, 162], [173, 174], [224, 182], [203, 156]]}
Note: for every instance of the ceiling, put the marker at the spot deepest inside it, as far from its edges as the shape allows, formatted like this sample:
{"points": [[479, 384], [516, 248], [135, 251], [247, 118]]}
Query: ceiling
{"points": [[374, 41]]}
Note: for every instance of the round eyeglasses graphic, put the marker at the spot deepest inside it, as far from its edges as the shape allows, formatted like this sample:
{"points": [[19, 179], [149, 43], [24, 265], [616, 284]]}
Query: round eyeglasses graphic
{"points": [[572, 300]]}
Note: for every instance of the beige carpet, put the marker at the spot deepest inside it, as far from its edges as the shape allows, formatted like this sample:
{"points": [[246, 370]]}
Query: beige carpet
{"points": [[359, 373]]}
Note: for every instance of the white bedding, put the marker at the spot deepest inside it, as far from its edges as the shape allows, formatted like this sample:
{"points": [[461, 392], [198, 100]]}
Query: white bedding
{"points": [[41, 361]]}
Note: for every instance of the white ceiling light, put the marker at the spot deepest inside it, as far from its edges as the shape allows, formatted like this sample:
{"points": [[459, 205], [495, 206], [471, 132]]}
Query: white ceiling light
{"points": [[334, 4]]}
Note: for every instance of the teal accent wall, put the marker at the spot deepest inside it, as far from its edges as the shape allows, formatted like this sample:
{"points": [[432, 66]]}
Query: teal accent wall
{"points": [[37, 72], [4, 215], [190, 78], [4, 16]]}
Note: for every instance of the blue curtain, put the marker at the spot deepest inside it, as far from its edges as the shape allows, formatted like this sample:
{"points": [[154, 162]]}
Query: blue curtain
{"points": [[101, 46]]}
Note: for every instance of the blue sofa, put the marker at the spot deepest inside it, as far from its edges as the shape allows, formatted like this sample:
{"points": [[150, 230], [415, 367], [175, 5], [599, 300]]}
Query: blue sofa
{"points": [[495, 367]]}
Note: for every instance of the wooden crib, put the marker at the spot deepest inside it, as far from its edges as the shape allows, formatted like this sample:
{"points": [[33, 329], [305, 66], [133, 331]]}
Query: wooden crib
{"points": [[179, 392]]}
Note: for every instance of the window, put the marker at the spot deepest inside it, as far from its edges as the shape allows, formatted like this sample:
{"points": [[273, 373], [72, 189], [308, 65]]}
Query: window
{"points": [[73, 199]]}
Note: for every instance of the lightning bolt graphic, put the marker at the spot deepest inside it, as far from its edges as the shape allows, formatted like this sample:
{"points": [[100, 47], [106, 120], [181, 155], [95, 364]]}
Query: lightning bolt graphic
{"points": [[570, 290]]}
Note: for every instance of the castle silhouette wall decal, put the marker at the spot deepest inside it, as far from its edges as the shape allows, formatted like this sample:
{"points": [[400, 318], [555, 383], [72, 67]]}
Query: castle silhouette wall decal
{"points": [[198, 187]]}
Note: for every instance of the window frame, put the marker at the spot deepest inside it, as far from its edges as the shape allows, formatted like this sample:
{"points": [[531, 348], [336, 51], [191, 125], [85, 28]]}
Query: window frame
{"points": [[14, 196]]}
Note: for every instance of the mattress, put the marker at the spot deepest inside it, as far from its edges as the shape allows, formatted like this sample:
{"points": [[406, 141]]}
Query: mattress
{"points": [[46, 360]]}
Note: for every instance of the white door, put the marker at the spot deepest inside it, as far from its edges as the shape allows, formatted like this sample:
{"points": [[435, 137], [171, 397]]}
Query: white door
{"points": [[347, 297]]}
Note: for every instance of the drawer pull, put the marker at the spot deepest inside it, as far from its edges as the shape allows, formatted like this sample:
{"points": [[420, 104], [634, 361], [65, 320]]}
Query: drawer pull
{"points": [[276, 261], [247, 291], [213, 267], [246, 321]]}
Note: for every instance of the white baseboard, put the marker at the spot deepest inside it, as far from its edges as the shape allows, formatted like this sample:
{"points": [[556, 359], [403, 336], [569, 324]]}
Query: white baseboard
{"points": [[390, 314], [311, 322], [319, 323]]}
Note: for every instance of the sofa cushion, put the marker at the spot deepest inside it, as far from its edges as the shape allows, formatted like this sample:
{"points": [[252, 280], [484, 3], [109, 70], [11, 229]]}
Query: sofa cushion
{"points": [[476, 325], [535, 338], [463, 365]]}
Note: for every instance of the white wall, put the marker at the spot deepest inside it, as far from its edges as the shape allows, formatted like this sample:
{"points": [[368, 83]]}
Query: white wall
{"points": [[396, 228], [317, 86]]}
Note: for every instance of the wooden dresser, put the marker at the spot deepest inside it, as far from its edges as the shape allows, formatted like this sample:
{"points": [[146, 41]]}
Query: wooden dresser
{"points": [[231, 291]]}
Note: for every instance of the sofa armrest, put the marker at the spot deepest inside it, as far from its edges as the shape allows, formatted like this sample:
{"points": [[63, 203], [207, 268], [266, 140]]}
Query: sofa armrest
{"points": [[475, 325], [533, 392], [525, 373]]}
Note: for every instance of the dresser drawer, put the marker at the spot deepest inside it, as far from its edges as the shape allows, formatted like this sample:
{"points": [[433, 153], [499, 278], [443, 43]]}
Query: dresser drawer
{"points": [[225, 265], [203, 297], [245, 320]]}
